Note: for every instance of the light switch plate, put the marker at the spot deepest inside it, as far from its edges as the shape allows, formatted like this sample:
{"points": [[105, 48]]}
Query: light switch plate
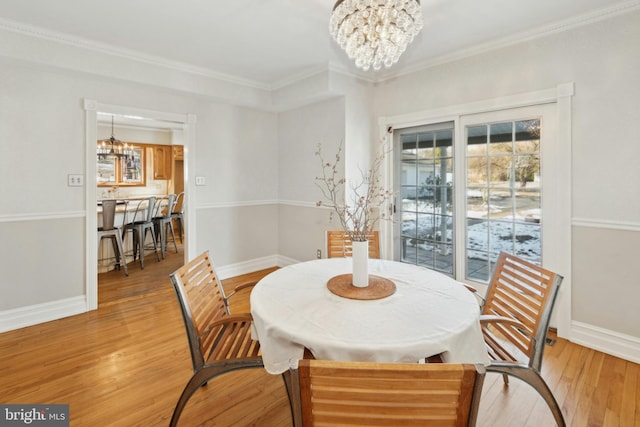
{"points": [[200, 180], [75, 180]]}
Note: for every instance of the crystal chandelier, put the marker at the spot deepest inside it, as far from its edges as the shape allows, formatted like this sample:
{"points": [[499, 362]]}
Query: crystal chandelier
{"points": [[113, 147], [375, 32]]}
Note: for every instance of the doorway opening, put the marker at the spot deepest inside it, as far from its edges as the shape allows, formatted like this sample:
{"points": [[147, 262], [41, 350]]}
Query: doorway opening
{"points": [[141, 127]]}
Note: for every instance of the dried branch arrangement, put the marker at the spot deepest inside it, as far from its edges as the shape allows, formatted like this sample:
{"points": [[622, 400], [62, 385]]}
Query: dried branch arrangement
{"points": [[364, 205]]}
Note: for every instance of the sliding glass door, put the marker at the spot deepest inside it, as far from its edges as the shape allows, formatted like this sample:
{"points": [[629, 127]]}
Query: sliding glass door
{"points": [[472, 187], [424, 203], [503, 193]]}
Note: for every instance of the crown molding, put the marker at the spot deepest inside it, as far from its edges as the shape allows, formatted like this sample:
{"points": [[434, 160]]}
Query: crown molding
{"points": [[312, 72], [546, 30], [374, 78], [130, 54]]}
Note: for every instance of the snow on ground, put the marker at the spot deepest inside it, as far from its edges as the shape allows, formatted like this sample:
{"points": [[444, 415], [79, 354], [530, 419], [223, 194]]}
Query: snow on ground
{"points": [[499, 234]]}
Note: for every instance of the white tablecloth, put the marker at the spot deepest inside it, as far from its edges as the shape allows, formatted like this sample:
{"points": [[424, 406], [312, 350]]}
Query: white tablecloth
{"points": [[428, 314]]}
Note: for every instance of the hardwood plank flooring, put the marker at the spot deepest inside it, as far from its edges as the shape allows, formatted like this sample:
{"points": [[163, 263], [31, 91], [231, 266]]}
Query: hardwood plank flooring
{"points": [[126, 363]]}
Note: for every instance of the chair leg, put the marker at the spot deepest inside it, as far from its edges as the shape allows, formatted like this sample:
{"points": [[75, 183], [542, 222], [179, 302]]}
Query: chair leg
{"points": [[122, 259], [535, 380], [173, 235], [143, 234], [163, 241], [203, 375], [155, 246], [160, 234], [116, 250], [194, 384], [292, 386], [135, 238], [141, 237], [180, 230]]}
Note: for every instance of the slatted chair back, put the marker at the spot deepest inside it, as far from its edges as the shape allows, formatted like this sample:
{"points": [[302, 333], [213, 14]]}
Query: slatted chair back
{"points": [[387, 394], [219, 341], [525, 293], [202, 303], [339, 244]]}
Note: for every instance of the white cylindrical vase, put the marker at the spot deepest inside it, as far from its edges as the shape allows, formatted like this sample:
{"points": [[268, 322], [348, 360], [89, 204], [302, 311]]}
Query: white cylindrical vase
{"points": [[360, 260]]}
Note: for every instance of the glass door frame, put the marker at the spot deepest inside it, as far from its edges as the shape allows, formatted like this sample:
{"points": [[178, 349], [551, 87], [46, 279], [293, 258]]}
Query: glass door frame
{"points": [[436, 195], [548, 127], [559, 197]]}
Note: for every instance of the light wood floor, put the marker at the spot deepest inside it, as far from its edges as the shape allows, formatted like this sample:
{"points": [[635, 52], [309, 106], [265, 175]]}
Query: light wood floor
{"points": [[126, 363]]}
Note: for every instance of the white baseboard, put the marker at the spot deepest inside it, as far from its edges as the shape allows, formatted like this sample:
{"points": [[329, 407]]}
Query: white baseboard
{"points": [[39, 313], [284, 261], [246, 267], [616, 344]]}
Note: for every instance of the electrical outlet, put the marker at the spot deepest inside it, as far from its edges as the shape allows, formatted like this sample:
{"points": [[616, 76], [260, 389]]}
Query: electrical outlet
{"points": [[75, 180], [319, 253]]}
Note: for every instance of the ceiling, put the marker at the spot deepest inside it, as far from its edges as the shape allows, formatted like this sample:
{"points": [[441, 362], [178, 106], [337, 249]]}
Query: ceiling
{"points": [[267, 43]]}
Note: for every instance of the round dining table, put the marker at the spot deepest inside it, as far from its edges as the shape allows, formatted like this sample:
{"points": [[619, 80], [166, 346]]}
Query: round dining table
{"points": [[428, 314]]}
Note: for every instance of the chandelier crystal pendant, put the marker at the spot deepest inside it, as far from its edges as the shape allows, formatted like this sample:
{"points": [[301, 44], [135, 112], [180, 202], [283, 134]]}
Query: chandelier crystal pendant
{"points": [[375, 32], [113, 147]]}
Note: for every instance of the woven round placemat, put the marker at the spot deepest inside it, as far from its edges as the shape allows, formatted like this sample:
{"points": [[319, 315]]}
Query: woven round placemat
{"points": [[379, 287]]}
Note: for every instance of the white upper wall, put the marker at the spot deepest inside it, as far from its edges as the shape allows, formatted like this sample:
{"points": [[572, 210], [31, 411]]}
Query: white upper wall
{"points": [[603, 62], [602, 59], [300, 131], [236, 153]]}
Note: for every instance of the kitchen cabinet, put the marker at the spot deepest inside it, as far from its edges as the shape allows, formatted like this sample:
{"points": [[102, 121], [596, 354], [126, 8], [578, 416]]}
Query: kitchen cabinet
{"points": [[178, 152], [162, 160]]}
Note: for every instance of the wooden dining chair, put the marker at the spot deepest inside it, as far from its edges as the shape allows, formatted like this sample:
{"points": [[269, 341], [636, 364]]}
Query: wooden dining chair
{"points": [[219, 341], [392, 394], [339, 244], [515, 319]]}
